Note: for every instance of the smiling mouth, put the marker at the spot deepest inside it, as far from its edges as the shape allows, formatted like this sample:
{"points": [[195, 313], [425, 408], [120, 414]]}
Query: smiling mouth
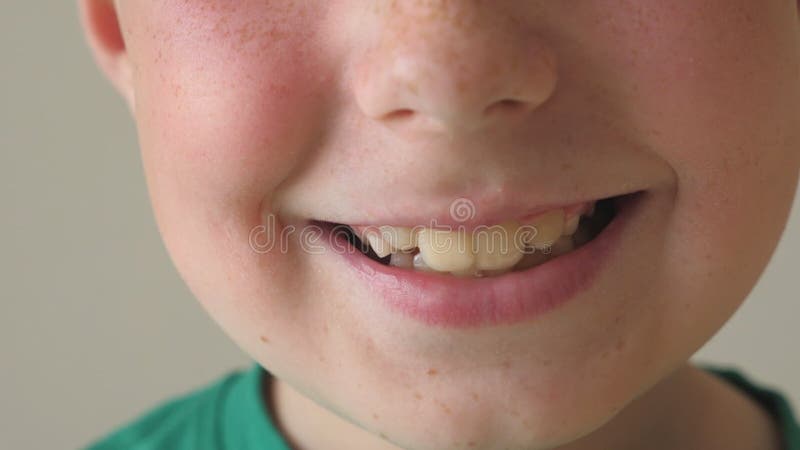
{"points": [[484, 251]]}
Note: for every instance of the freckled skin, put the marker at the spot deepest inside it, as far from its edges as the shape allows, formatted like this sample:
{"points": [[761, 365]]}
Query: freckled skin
{"points": [[326, 110]]}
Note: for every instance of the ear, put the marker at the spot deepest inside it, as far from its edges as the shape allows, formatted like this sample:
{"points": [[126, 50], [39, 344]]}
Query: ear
{"points": [[102, 29]]}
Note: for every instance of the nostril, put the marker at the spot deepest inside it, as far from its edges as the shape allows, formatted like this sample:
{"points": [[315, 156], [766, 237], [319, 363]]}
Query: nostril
{"points": [[400, 114], [455, 118], [507, 105]]}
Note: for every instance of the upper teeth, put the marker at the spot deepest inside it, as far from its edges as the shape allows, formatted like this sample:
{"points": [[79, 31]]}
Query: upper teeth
{"points": [[492, 249], [386, 240], [498, 247], [549, 228], [446, 251], [571, 225]]}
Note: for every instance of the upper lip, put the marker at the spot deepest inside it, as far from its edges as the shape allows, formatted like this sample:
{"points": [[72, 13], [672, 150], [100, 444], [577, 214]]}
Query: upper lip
{"points": [[468, 212], [415, 183]]}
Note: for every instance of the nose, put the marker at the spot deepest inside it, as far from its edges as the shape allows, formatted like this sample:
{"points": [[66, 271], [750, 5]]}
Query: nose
{"points": [[452, 67]]}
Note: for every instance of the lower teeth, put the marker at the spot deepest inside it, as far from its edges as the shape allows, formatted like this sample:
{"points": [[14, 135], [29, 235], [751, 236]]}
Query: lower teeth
{"points": [[588, 229], [404, 260]]}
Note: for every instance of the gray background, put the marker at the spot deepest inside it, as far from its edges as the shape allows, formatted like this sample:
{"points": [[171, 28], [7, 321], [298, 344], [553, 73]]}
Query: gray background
{"points": [[95, 325]]}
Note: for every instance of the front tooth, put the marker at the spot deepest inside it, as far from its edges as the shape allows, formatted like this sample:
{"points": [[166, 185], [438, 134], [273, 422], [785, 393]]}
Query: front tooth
{"points": [[562, 246], [419, 263], [471, 273], [549, 228], [378, 245], [571, 225], [399, 238], [496, 248], [445, 251]]}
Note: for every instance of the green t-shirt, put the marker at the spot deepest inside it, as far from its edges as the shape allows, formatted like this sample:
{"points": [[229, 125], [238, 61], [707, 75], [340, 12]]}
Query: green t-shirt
{"points": [[228, 414]]}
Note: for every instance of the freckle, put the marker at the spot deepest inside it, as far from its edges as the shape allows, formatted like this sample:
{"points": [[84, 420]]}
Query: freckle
{"points": [[525, 423], [375, 416], [265, 339], [471, 443], [515, 413], [507, 364], [417, 395], [432, 372], [475, 396], [604, 355], [547, 362], [620, 344]]}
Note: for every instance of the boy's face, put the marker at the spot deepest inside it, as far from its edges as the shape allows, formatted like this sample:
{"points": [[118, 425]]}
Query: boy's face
{"points": [[261, 115]]}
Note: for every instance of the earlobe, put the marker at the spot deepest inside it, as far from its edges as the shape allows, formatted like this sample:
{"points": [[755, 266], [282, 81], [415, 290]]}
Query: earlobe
{"points": [[102, 29]]}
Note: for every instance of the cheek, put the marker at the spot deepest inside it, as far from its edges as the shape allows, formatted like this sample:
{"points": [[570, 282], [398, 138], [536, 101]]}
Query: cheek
{"points": [[224, 117], [224, 114], [226, 104], [718, 97], [711, 88]]}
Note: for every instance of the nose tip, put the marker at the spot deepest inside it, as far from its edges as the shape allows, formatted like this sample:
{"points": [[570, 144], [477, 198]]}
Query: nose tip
{"points": [[457, 84]]}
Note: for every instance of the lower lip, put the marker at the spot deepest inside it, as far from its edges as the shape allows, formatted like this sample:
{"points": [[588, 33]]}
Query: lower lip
{"points": [[446, 301]]}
